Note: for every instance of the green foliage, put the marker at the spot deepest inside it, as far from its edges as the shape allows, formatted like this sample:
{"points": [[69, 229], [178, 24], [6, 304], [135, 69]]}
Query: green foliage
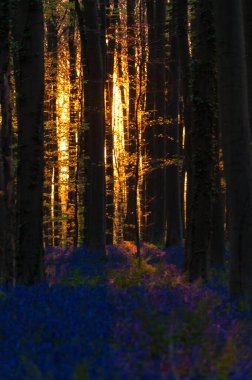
{"points": [[131, 275], [156, 326], [227, 360], [76, 278], [2, 295], [81, 373]]}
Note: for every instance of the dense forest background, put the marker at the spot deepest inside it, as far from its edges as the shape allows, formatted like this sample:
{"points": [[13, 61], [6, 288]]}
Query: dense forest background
{"points": [[126, 120]]}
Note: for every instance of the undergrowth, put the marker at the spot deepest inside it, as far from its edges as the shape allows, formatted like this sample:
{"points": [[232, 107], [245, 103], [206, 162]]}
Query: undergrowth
{"points": [[123, 318]]}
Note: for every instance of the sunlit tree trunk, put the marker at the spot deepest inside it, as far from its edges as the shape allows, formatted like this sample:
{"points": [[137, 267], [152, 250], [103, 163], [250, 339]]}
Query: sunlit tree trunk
{"points": [[148, 136], [83, 134], [173, 198], [72, 206], [29, 71], [159, 206], [52, 144], [203, 117], [112, 18], [121, 77], [235, 132], [6, 145], [131, 135]]}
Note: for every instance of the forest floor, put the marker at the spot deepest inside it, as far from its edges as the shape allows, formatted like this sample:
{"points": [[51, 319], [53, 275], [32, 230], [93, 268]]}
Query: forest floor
{"points": [[122, 318]]}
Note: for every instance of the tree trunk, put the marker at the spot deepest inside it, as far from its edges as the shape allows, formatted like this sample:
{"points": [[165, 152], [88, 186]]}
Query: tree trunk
{"points": [[95, 117], [173, 199], [203, 117], [217, 243], [159, 206], [72, 207], [1, 221], [235, 132], [52, 164], [247, 15], [148, 135], [83, 134], [6, 147], [185, 79], [110, 54], [29, 71], [130, 143]]}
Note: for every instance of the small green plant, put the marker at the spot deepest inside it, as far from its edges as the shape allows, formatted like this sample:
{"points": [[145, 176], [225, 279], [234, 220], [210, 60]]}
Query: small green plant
{"points": [[81, 373], [76, 278]]}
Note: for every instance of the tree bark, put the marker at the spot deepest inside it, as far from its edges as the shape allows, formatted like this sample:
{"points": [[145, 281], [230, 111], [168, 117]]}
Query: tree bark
{"points": [[217, 243], [173, 198], [1, 221], [72, 206], [130, 142], [95, 117], [185, 80], [148, 135], [53, 225], [112, 19], [203, 117], [29, 71], [235, 132], [159, 206], [8, 216], [247, 15]]}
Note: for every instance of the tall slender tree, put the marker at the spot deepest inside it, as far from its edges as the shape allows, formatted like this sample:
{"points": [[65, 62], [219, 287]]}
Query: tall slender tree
{"points": [[95, 120], [72, 206], [235, 132], [203, 117], [8, 216], [52, 198], [1, 221], [131, 135], [173, 198], [148, 135], [217, 242], [95, 117], [159, 206], [247, 15], [112, 20], [186, 114], [29, 72]]}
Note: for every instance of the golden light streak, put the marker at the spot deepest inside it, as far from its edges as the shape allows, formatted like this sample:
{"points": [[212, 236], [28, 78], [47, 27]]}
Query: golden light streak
{"points": [[118, 123], [185, 192]]}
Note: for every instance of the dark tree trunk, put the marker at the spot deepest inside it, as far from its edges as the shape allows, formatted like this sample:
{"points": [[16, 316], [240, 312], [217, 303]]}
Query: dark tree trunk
{"points": [[95, 117], [235, 132], [1, 220], [6, 147], [217, 243], [29, 71], [203, 91], [173, 198], [130, 143], [185, 78], [159, 207], [247, 15], [72, 206], [148, 135]]}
